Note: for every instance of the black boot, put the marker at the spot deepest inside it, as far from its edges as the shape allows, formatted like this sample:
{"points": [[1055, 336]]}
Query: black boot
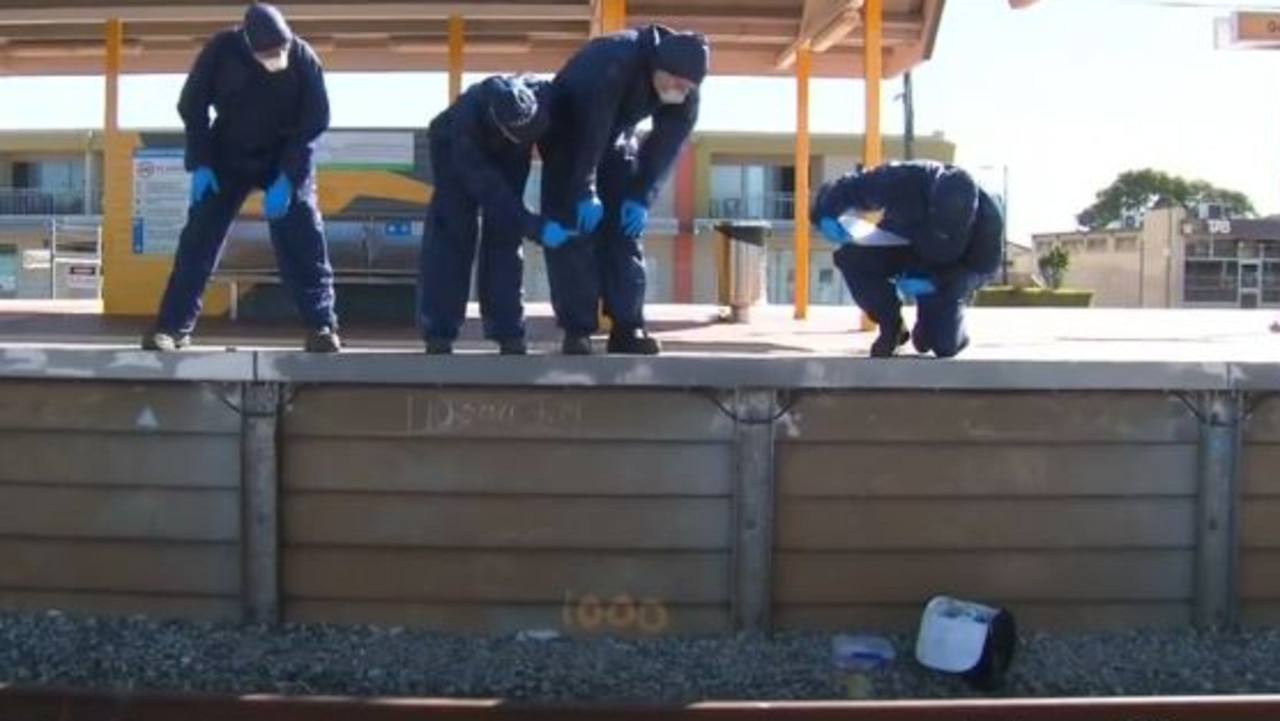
{"points": [[891, 337], [439, 346], [632, 341], [513, 346], [917, 339], [575, 344]]}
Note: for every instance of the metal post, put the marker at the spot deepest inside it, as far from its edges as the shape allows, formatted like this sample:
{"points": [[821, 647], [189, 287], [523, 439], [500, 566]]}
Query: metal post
{"points": [[1004, 234], [1216, 600], [86, 189], [259, 493], [908, 118], [53, 259], [753, 510]]}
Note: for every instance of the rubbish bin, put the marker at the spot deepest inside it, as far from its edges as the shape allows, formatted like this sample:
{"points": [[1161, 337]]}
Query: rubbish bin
{"points": [[743, 266]]}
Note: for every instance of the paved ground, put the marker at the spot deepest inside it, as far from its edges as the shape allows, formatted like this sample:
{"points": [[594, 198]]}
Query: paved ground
{"points": [[1094, 334]]}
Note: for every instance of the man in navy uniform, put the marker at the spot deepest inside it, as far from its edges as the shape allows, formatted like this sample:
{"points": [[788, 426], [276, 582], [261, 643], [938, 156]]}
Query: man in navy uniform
{"points": [[952, 231], [267, 87], [598, 180], [481, 150]]}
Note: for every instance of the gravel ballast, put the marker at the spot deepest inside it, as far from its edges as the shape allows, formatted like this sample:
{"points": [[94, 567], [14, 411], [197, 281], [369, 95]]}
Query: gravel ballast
{"points": [[142, 654]]}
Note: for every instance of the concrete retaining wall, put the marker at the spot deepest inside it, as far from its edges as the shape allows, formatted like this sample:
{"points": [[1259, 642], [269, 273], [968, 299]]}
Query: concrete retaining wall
{"points": [[627, 495]]}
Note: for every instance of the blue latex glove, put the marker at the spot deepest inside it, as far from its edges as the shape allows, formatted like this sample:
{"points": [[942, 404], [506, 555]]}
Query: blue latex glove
{"points": [[590, 213], [911, 287], [834, 232], [276, 202], [553, 234], [203, 184], [634, 218]]}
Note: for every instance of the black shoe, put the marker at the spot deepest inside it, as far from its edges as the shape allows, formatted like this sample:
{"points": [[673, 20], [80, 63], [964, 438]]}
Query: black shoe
{"points": [[439, 346], [576, 344], [918, 341], [323, 340], [953, 352], [633, 342], [162, 341], [886, 346], [513, 346]]}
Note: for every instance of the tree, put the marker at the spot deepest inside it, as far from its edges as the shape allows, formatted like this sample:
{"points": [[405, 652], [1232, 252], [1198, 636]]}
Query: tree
{"points": [[1137, 191], [1053, 266]]}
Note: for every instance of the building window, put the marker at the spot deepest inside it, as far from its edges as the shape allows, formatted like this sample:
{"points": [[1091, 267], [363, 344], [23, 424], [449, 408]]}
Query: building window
{"points": [[53, 186], [1198, 248], [8, 271], [1095, 245], [1271, 282], [752, 191], [1212, 281], [1127, 245]]}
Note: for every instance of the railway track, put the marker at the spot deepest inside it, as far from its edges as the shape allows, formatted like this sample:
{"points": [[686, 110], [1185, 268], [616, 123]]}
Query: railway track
{"points": [[54, 704]]}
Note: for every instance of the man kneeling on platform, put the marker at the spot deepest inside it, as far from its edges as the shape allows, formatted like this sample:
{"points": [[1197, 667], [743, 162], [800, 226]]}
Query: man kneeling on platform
{"points": [[938, 241]]}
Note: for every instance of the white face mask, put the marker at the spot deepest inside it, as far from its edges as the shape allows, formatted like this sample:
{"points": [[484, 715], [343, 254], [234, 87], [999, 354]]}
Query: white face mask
{"points": [[275, 63], [672, 96]]}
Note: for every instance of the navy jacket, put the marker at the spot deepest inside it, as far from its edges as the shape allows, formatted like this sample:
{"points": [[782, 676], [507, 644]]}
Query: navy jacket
{"points": [[267, 122], [602, 93], [952, 223], [482, 158]]}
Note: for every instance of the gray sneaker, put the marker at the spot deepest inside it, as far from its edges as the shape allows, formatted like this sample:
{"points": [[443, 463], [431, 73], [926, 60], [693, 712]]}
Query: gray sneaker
{"points": [[323, 340], [159, 340]]}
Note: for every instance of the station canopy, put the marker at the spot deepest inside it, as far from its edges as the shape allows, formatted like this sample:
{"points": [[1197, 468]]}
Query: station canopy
{"points": [[749, 37]]}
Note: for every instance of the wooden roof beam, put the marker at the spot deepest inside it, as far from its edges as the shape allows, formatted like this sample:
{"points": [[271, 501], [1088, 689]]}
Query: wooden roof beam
{"points": [[356, 11], [823, 23]]}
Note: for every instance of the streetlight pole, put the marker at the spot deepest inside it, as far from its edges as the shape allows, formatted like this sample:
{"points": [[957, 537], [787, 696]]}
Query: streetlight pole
{"points": [[908, 118]]}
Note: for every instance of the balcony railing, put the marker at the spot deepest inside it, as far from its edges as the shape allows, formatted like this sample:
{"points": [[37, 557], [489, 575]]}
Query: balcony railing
{"points": [[33, 201], [758, 206], [761, 206]]}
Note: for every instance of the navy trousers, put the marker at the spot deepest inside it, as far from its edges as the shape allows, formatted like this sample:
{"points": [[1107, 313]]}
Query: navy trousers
{"points": [[298, 240], [449, 250], [868, 273], [605, 265]]}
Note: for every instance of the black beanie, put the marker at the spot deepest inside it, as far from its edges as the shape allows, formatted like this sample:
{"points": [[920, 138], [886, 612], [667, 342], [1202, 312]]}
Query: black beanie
{"points": [[684, 54], [515, 109], [265, 28]]}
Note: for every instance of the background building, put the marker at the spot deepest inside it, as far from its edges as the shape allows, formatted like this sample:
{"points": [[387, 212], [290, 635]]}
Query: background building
{"points": [[1175, 258], [375, 186]]}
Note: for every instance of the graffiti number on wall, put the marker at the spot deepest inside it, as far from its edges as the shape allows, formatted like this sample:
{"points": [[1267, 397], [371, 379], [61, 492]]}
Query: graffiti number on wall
{"points": [[452, 414], [622, 612]]}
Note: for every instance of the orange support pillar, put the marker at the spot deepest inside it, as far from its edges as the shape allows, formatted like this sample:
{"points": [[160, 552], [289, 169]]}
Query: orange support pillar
{"points": [[610, 17], [457, 40], [613, 16], [117, 195], [801, 201], [873, 32], [873, 45]]}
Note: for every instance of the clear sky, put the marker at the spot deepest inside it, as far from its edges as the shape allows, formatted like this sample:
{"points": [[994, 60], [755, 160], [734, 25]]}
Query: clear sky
{"points": [[1066, 94]]}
